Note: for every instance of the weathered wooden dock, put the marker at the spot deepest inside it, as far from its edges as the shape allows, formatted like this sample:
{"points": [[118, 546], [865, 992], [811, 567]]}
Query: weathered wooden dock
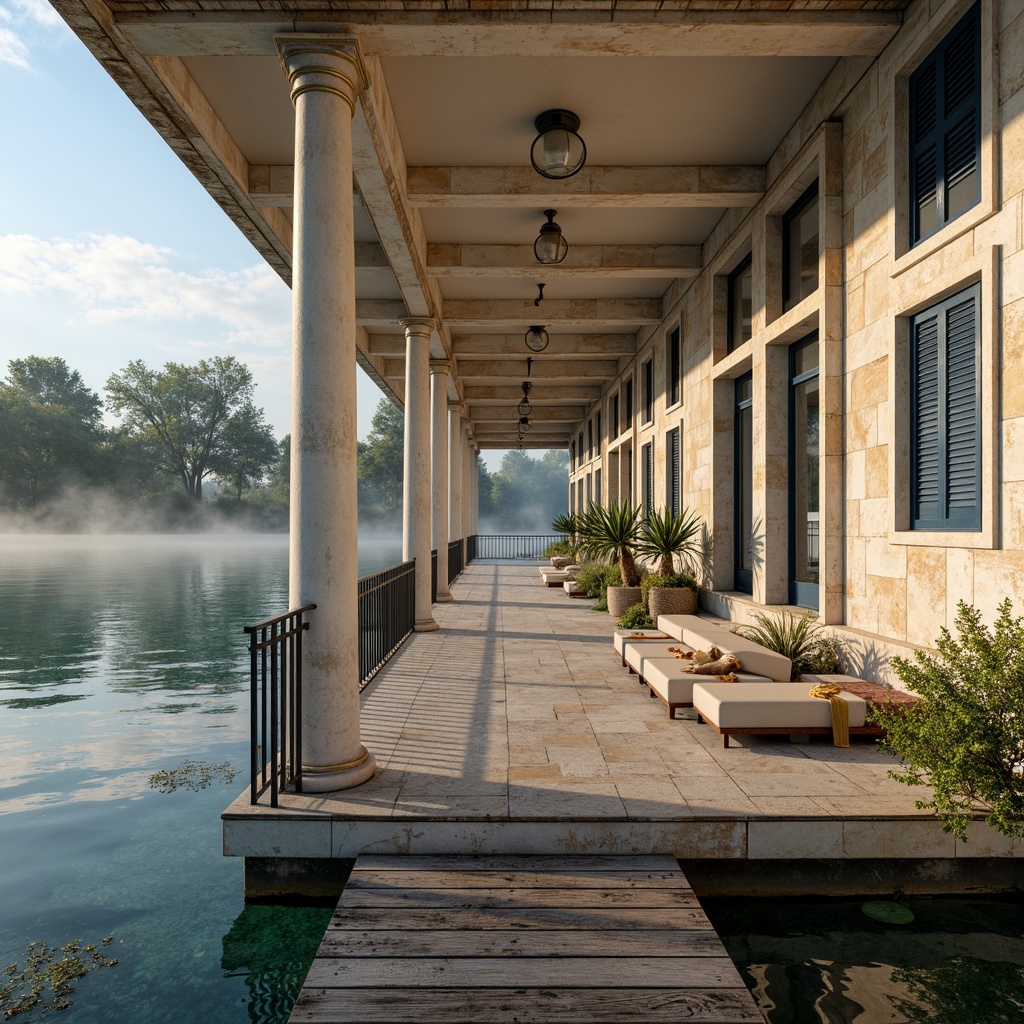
{"points": [[521, 940]]}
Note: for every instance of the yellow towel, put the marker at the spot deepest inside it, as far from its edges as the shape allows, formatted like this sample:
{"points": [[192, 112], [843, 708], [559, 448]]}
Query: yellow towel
{"points": [[840, 712]]}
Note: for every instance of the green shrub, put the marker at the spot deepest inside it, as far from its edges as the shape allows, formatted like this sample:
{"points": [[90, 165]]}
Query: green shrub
{"points": [[823, 658], [796, 638], [596, 577], [965, 737], [636, 617], [559, 547]]}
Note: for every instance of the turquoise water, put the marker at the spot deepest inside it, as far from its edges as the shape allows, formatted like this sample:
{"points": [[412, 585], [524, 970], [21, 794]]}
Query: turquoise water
{"points": [[121, 657], [958, 960]]}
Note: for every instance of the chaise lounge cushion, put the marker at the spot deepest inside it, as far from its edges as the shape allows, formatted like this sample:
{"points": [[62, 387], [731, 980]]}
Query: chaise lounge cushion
{"points": [[770, 706], [700, 633], [675, 687], [622, 636]]}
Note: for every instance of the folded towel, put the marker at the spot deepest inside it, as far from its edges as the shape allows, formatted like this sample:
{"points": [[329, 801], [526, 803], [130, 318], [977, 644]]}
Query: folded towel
{"points": [[840, 711], [723, 665]]}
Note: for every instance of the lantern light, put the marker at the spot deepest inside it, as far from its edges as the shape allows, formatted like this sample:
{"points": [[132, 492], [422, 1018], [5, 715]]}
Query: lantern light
{"points": [[550, 246], [536, 339], [558, 151]]}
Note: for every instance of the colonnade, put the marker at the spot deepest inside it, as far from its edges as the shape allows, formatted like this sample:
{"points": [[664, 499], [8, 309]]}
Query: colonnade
{"points": [[440, 479]]}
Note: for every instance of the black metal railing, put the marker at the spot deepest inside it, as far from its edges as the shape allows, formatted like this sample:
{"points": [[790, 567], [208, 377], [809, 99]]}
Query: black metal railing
{"points": [[470, 548], [433, 576], [454, 560], [511, 545], [275, 703], [387, 613]]}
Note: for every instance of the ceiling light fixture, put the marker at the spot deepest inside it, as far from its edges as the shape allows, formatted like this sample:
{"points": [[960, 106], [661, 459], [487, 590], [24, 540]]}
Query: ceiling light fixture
{"points": [[524, 425], [536, 339], [550, 246], [558, 151], [524, 406]]}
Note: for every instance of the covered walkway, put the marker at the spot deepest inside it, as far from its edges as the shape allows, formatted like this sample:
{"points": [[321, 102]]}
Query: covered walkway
{"points": [[514, 729]]}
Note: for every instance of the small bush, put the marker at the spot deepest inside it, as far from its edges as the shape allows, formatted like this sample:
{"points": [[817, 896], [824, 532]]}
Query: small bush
{"points": [[796, 639], [636, 617], [965, 737], [559, 547], [823, 658], [676, 579], [596, 577]]}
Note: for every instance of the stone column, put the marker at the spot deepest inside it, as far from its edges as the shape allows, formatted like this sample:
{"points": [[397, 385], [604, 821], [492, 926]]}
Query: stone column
{"points": [[455, 475], [416, 507], [439, 472], [474, 490], [466, 493], [325, 73]]}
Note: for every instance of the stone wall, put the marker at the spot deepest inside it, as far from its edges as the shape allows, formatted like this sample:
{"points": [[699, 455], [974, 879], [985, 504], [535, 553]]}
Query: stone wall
{"points": [[878, 577]]}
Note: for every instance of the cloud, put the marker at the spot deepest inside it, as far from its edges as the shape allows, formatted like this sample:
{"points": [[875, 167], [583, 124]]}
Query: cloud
{"points": [[113, 278], [12, 50], [22, 19]]}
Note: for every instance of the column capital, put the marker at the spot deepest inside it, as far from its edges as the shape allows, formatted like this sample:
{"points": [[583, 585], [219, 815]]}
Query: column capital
{"points": [[418, 326], [456, 407], [440, 366], [318, 62]]}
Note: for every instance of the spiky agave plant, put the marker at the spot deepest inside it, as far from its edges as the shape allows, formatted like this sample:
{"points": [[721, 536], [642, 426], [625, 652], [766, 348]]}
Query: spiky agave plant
{"points": [[569, 524], [795, 638], [665, 535], [612, 533]]}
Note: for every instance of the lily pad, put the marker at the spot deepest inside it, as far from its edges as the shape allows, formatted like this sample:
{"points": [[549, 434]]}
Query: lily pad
{"points": [[887, 912]]}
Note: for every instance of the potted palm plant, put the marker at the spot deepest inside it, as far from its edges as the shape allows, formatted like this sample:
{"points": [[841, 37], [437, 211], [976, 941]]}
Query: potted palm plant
{"points": [[567, 523], [665, 537], [612, 534]]}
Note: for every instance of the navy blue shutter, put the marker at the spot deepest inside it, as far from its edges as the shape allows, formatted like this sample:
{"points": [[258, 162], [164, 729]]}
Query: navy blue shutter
{"points": [[674, 366], [648, 477], [674, 471], [946, 441], [945, 130]]}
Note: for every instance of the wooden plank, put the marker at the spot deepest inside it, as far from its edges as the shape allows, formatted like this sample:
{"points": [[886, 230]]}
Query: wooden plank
{"points": [[362, 879], [520, 898], [527, 1006], [579, 972], [654, 942], [502, 918], [525, 862]]}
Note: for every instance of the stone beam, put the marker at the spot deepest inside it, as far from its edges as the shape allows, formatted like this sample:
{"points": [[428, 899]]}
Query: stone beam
{"points": [[532, 439], [499, 346], [572, 371], [485, 414], [379, 312], [626, 261], [585, 314], [491, 394], [592, 187], [645, 29]]}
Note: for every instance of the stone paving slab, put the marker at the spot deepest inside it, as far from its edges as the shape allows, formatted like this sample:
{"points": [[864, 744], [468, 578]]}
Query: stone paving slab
{"points": [[518, 711]]}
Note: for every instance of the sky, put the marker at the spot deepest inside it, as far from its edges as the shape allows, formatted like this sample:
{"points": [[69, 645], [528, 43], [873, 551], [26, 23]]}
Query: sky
{"points": [[109, 249]]}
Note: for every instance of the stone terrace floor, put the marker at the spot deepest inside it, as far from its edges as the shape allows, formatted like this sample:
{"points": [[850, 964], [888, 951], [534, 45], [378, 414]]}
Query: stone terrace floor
{"points": [[515, 729]]}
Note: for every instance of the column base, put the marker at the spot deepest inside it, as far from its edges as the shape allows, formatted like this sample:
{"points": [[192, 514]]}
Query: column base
{"points": [[444, 598], [331, 778], [425, 626]]}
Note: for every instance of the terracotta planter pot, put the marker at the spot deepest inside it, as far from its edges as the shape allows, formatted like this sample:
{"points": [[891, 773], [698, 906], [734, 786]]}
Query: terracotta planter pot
{"points": [[671, 601], [621, 598]]}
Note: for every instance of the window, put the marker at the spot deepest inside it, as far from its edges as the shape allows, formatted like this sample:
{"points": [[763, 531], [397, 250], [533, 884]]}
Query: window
{"points": [[648, 391], [572, 456], [740, 291], [597, 486], [629, 405], [800, 249], [674, 368], [590, 439], [590, 497], [647, 477], [616, 426], [673, 481], [600, 436], [945, 130], [804, 460], [945, 423], [744, 482], [572, 495]]}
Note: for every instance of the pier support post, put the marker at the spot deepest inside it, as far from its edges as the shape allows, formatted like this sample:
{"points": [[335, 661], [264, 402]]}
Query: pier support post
{"points": [[416, 531], [326, 76], [439, 471]]}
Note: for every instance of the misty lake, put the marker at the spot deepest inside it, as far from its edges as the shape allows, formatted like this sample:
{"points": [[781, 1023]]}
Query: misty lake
{"points": [[121, 657]]}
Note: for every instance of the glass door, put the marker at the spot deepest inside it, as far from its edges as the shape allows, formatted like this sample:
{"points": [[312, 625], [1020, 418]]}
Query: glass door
{"points": [[804, 463], [744, 482]]}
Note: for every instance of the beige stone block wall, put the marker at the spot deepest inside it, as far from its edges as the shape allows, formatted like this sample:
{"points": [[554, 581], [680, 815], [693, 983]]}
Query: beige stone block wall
{"points": [[890, 584]]}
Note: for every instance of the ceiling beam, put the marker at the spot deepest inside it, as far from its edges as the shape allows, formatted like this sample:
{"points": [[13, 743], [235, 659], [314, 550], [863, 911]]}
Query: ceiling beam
{"points": [[581, 346], [497, 394], [585, 314], [533, 439], [625, 261], [570, 414], [646, 29], [571, 371], [379, 312], [616, 187]]}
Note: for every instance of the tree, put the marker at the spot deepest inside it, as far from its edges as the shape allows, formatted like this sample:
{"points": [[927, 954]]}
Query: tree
{"points": [[382, 461], [50, 429], [279, 483], [965, 736], [248, 449], [186, 408]]}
